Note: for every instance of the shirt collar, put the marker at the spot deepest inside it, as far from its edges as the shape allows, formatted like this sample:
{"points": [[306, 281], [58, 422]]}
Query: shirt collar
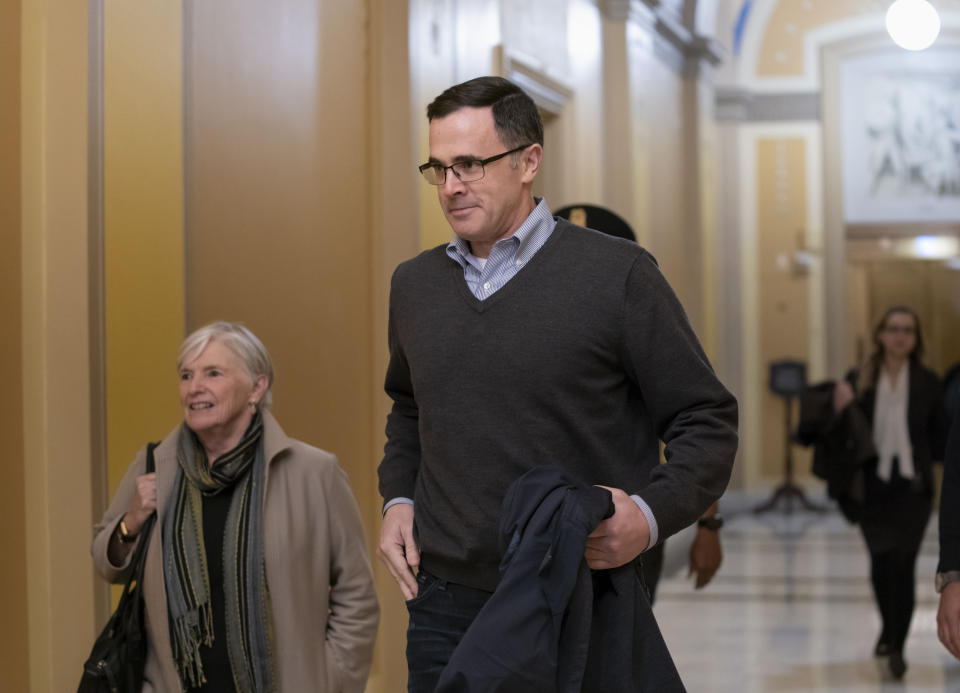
{"points": [[539, 223]]}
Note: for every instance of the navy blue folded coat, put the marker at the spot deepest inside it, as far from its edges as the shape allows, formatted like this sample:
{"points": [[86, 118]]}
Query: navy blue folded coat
{"points": [[553, 625]]}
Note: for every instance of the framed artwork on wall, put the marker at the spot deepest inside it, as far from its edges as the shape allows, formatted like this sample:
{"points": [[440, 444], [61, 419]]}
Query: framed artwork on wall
{"points": [[901, 137]]}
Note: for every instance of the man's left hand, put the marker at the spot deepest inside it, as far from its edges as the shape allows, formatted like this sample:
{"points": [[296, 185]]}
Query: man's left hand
{"points": [[705, 555], [620, 538], [948, 618]]}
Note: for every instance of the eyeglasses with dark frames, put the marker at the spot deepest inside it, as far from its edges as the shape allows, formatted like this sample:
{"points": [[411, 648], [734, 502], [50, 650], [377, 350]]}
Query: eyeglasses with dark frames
{"points": [[466, 171], [900, 329]]}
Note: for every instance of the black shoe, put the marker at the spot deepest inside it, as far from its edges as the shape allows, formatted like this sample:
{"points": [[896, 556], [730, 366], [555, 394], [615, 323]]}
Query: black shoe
{"points": [[882, 649], [898, 667]]}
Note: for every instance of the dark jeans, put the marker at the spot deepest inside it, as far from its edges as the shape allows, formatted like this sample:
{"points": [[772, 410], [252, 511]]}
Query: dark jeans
{"points": [[439, 616]]}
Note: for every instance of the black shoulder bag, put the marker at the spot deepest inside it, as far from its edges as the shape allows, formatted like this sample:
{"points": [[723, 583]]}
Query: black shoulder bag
{"points": [[118, 656]]}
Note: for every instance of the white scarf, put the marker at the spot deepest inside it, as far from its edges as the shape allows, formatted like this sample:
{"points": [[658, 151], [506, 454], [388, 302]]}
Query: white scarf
{"points": [[890, 433]]}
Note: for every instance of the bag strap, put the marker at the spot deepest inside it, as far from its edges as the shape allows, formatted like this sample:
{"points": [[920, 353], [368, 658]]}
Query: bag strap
{"points": [[148, 525], [140, 553], [131, 595], [151, 465]]}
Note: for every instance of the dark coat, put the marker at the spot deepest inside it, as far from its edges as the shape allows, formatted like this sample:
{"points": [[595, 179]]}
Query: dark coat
{"points": [[553, 625], [895, 516], [843, 444], [926, 418], [950, 501]]}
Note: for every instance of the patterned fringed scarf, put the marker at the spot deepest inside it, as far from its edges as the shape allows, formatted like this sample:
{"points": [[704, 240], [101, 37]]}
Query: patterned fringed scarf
{"points": [[247, 599]]}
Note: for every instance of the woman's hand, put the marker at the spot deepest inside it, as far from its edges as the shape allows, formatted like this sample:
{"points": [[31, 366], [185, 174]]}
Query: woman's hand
{"points": [[842, 396], [143, 502]]}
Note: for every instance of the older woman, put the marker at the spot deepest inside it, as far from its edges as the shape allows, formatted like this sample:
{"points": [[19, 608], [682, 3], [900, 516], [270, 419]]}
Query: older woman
{"points": [[904, 403], [256, 576]]}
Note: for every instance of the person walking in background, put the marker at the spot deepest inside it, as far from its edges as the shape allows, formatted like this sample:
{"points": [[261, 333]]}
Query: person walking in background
{"points": [[529, 341], [903, 401], [256, 577]]}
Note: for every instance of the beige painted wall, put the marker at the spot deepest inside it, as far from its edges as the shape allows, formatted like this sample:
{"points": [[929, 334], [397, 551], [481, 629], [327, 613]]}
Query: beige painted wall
{"points": [[277, 218], [672, 220], [782, 293], [946, 325], [55, 342], [433, 62], [782, 50], [14, 649], [932, 290], [860, 319], [143, 225], [394, 237], [702, 157]]}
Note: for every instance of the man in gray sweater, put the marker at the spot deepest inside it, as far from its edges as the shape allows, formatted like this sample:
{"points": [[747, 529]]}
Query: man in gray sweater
{"points": [[526, 341]]}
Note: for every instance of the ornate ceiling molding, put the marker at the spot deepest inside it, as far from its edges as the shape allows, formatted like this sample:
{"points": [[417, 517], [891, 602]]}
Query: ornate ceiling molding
{"points": [[615, 10], [676, 42], [745, 106], [550, 93]]}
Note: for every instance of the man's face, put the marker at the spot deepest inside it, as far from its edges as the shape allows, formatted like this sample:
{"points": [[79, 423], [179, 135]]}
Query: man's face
{"points": [[483, 211]]}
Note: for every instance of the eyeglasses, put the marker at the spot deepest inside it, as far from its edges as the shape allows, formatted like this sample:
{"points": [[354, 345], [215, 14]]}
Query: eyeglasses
{"points": [[465, 171], [899, 329]]}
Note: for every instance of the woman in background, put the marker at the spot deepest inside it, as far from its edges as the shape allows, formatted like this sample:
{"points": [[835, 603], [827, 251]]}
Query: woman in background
{"points": [[256, 576], [903, 401]]}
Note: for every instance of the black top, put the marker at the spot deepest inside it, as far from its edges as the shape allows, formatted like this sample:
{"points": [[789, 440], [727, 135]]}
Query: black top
{"points": [[926, 417], [584, 359], [216, 659]]}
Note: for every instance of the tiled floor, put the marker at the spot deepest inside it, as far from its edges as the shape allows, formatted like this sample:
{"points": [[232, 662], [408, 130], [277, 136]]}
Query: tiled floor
{"points": [[791, 610]]}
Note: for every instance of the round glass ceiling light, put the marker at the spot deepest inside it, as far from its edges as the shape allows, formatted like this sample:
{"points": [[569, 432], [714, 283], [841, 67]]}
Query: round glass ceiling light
{"points": [[913, 24]]}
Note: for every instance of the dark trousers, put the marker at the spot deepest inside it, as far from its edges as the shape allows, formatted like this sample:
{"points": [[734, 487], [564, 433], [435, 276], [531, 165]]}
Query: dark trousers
{"points": [[442, 611], [893, 574], [439, 616], [896, 513]]}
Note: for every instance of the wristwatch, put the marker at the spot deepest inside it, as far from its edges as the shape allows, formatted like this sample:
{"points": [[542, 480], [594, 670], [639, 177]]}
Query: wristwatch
{"points": [[124, 534], [712, 523], [944, 579]]}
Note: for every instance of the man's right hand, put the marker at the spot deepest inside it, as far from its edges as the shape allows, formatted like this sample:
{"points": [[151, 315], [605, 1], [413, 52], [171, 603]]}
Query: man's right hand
{"points": [[397, 548]]}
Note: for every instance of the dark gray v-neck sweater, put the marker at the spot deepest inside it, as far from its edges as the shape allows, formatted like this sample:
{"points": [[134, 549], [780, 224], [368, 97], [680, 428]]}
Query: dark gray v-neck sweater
{"points": [[584, 359]]}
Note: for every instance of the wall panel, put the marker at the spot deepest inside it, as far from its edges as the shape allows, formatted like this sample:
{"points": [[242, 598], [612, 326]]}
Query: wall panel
{"points": [[143, 224], [55, 341], [783, 290], [277, 209], [13, 576]]}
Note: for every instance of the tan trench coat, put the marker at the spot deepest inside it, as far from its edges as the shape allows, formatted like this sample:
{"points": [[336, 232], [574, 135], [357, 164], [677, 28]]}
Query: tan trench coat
{"points": [[324, 606]]}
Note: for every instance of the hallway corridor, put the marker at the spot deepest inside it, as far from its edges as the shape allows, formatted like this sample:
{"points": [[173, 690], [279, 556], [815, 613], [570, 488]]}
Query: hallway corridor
{"points": [[791, 611]]}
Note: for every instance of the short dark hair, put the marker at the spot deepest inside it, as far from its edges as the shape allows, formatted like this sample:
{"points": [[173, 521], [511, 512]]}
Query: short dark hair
{"points": [[515, 116]]}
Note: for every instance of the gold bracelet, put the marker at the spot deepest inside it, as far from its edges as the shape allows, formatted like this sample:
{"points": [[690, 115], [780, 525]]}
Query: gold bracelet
{"points": [[125, 535]]}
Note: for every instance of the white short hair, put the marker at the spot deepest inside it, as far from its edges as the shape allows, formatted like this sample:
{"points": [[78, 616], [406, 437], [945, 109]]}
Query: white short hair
{"points": [[242, 342]]}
